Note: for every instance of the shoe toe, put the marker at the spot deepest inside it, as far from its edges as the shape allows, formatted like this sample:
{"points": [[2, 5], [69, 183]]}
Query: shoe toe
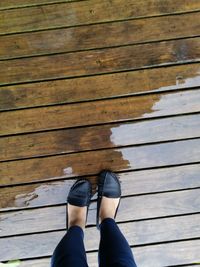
{"points": [[80, 193], [109, 185]]}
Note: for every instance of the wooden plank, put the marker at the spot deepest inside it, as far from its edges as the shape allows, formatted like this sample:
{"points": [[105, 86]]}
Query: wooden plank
{"points": [[113, 135], [106, 86], [147, 181], [131, 208], [86, 12], [148, 256], [71, 165], [99, 112], [167, 254], [44, 262], [100, 35], [137, 233], [190, 265], [162, 255], [7, 4], [100, 61]]}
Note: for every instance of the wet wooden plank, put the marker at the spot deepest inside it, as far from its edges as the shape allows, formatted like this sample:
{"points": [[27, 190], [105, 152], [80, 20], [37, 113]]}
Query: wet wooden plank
{"points": [[106, 86], [147, 181], [137, 233], [86, 12], [99, 112], [100, 61], [136, 207], [148, 256], [7, 4], [121, 159], [100, 35], [113, 135], [131, 208]]}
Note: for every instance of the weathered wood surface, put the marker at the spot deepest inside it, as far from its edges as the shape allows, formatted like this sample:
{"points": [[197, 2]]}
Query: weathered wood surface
{"points": [[100, 61], [147, 181], [162, 255], [104, 111], [155, 69], [137, 233], [99, 87], [139, 207], [7, 4], [131, 158], [169, 254], [99, 137], [100, 35], [121, 159], [87, 12]]}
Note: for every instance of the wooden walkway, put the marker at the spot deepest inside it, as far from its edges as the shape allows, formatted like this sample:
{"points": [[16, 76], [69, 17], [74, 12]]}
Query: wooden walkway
{"points": [[88, 85]]}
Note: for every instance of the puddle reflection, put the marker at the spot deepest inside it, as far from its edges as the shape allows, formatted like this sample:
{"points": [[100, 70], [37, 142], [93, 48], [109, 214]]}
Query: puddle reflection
{"points": [[55, 192], [34, 195]]}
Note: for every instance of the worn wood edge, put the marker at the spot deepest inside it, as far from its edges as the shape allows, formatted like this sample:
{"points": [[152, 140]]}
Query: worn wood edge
{"points": [[185, 265], [42, 3], [15, 91], [153, 252], [137, 233], [99, 66], [45, 262], [160, 205], [94, 46], [66, 169], [154, 14], [33, 145], [160, 255], [155, 181], [102, 116]]}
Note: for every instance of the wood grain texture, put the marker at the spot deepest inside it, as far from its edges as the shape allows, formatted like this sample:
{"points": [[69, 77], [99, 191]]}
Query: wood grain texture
{"points": [[71, 165], [147, 181], [99, 112], [86, 12], [173, 254], [137, 233], [148, 256], [100, 35], [99, 87], [8, 4], [131, 208], [92, 85], [100, 61], [99, 137]]}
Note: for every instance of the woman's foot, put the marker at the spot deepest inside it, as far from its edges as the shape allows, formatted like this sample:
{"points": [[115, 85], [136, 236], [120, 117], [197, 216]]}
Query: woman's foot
{"points": [[108, 208], [109, 193], [78, 201], [77, 216]]}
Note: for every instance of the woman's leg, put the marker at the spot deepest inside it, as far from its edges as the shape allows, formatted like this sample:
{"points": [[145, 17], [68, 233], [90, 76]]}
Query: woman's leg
{"points": [[70, 252], [114, 250]]}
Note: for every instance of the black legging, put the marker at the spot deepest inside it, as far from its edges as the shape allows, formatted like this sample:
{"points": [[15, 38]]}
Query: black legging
{"points": [[114, 250]]}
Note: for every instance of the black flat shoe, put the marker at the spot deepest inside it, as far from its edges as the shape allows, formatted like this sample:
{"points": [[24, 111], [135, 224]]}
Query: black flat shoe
{"points": [[80, 195], [108, 186]]}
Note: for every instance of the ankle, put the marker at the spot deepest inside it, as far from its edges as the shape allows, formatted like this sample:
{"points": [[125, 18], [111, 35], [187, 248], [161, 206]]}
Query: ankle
{"points": [[103, 216], [76, 216], [108, 208], [77, 222]]}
